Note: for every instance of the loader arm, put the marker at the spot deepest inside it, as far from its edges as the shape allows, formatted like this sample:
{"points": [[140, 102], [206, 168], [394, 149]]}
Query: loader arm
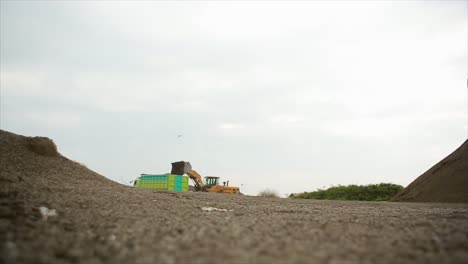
{"points": [[199, 185]]}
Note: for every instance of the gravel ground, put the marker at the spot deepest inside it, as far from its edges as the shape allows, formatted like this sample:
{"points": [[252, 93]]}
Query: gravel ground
{"points": [[99, 221]]}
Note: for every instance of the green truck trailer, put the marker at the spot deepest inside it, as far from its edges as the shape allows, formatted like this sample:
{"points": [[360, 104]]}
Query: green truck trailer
{"points": [[171, 182]]}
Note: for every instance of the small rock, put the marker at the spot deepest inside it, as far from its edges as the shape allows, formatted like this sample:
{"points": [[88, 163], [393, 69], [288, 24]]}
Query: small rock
{"points": [[211, 209], [46, 212]]}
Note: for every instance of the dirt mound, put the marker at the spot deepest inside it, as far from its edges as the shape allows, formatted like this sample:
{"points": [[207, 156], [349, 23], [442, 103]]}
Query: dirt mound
{"points": [[446, 182], [37, 161], [42, 146], [32, 170]]}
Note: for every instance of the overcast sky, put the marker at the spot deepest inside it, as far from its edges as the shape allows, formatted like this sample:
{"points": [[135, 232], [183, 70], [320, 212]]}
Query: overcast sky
{"points": [[291, 96]]}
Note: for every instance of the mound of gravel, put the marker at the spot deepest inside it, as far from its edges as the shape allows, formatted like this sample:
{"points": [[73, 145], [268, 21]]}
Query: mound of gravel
{"points": [[35, 162], [43, 146], [446, 182], [33, 174]]}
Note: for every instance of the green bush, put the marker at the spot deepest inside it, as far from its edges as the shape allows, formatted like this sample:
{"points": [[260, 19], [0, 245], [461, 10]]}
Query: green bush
{"points": [[268, 193], [371, 192]]}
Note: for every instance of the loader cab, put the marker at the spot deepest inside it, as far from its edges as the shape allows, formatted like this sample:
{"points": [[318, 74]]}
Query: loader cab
{"points": [[211, 181]]}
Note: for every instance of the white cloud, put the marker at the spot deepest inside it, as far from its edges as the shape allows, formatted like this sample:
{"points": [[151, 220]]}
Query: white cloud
{"points": [[293, 82], [287, 120], [231, 126], [54, 119], [22, 82]]}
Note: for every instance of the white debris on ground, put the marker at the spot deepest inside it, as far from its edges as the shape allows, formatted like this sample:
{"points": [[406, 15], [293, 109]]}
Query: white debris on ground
{"points": [[46, 212], [211, 209]]}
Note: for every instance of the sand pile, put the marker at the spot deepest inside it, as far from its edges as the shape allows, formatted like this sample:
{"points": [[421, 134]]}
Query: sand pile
{"points": [[446, 182], [33, 174], [35, 162], [42, 146]]}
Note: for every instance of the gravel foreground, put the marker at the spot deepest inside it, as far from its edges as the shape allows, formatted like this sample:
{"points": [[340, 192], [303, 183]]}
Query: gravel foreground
{"points": [[99, 221]]}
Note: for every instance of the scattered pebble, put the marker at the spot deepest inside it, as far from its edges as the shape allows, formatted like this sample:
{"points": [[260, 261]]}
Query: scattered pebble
{"points": [[46, 212], [211, 209]]}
